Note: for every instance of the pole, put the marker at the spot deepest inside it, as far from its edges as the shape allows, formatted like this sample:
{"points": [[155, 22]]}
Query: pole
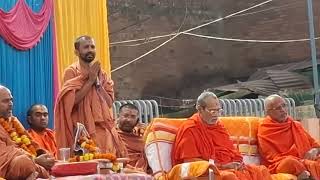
{"points": [[313, 54]]}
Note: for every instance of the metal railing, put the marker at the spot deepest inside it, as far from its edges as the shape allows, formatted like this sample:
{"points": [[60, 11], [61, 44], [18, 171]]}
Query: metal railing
{"points": [[251, 107], [149, 109]]}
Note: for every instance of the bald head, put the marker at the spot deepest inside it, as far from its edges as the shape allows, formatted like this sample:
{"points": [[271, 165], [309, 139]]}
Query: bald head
{"points": [[3, 88], [6, 102], [276, 108]]}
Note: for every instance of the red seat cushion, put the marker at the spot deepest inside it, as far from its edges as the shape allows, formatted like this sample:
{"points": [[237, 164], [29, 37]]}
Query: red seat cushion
{"points": [[75, 168]]}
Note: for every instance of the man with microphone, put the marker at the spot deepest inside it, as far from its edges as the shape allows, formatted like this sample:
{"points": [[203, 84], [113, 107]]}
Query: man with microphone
{"points": [[86, 97]]}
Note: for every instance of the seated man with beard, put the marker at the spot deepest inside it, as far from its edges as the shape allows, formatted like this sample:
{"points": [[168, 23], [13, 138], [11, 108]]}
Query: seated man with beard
{"points": [[203, 137], [127, 121]]}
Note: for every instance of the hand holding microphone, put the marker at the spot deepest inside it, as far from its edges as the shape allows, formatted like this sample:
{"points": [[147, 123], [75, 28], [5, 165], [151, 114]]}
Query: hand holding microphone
{"points": [[98, 82]]}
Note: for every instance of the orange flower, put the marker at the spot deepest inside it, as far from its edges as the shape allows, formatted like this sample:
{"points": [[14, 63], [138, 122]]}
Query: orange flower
{"points": [[87, 146], [90, 145], [92, 149], [18, 129]]}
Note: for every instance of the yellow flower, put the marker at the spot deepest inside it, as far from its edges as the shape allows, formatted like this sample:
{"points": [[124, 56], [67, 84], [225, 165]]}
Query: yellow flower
{"points": [[115, 167], [81, 158], [86, 157], [14, 138], [18, 140], [13, 134], [24, 139], [83, 144], [91, 156]]}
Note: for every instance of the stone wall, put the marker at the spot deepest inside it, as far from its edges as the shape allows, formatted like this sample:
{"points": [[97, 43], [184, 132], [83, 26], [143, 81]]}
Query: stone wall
{"points": [[187, 65]]}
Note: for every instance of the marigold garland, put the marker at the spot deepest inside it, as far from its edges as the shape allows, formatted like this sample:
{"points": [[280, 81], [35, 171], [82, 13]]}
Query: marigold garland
{"points": [[89, 145], [18, 135]]}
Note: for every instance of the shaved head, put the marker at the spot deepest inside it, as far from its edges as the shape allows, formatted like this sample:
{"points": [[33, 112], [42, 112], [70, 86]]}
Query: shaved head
{"points": [[37, 117], [85, 49], [80, 40], [6, 102], [3, 88]]}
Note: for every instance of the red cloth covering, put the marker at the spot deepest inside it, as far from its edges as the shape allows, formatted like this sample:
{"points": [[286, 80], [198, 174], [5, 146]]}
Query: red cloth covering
{"points": [[74, 169]]}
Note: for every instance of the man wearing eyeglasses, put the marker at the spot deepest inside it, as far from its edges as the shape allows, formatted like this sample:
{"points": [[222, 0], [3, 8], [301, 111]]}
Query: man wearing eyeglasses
{"points": [[284, 144], [203, 137]]}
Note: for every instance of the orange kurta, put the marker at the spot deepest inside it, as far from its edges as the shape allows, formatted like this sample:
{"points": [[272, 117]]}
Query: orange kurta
{"points": [[198, 140], [46, 140], [93, 112], [283, 146], [15, 163], [135, 148]]}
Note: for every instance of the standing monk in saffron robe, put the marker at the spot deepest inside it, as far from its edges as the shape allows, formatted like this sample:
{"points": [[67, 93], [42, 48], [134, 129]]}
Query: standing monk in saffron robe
{"points": [[203, 137], [37, 117], [284, 144], [15, 162], [86, 97], [127, 121]]}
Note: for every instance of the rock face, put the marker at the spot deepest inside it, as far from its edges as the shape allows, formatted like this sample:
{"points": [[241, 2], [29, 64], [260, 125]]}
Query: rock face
{"points": [[187, 65]]}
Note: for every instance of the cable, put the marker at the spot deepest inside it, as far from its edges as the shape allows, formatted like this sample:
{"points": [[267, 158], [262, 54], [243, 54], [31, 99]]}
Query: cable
{"points": [[249, 40], [197, 27], [143, 39], [145, 54], [137, 44], [268, 9], [161, 97], [172, 34], [148, 40], [185, 15]]}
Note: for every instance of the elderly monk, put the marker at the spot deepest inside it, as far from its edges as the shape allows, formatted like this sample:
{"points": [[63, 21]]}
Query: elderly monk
{"points": [[37, 117], [127, 121], [15, 162], [284, 144], [86, 97], [203, 137]]}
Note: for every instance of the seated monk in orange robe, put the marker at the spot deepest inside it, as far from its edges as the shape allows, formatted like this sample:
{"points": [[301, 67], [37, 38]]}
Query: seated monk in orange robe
{"points": [[86, 97], [203, 137], [127, 121], [37, 117], [284, 144], [16, 162]]}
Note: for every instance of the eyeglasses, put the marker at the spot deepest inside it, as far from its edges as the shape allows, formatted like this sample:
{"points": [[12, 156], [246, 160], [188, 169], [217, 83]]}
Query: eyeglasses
{"points": [[214, 111], [280, 107]]}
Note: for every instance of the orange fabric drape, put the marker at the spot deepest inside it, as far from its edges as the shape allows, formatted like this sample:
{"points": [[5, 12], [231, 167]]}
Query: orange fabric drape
{"points": [[283, 146]]}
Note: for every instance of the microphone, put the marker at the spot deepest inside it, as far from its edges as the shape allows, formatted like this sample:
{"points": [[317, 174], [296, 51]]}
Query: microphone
{"points": [[98, 82]]}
